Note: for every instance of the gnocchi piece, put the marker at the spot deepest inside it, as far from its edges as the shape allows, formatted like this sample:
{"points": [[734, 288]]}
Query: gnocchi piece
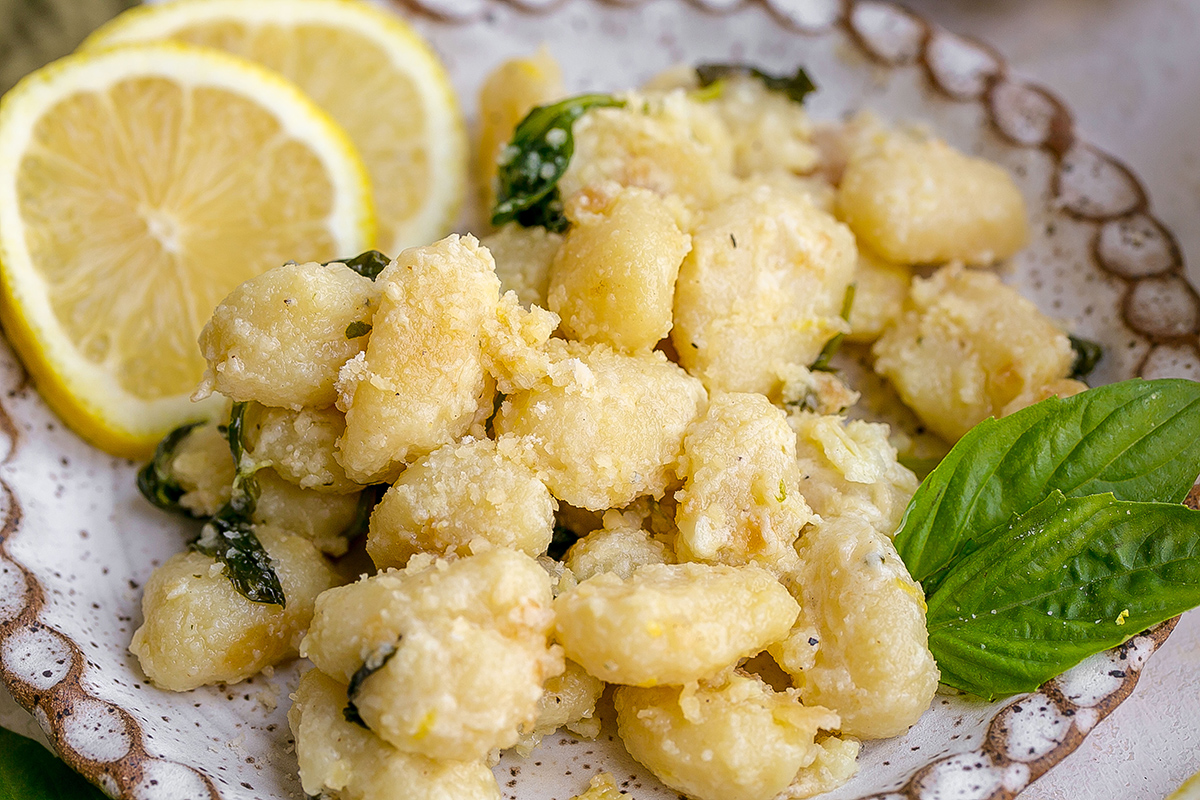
{"points": [[462, 647], [458, 499], [966, 347], [523, 257], [568, 700], [849, 468], [420, 383], [871, 663], [198, 630], [836, 764], [770, 132], [608, 433], [510, 92], [880, 289], [663, 142], [619, 550], [323, 519], [517, 349], [280, 338], [203, 468], [300, 446], [738, 740], [613, 279], [762, 289], [339, 758], [920, 201], [741, 501], [671, 623]]}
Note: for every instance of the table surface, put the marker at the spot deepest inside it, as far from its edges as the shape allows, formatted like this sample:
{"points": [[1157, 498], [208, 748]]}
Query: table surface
{"points": [[1130, 71]]}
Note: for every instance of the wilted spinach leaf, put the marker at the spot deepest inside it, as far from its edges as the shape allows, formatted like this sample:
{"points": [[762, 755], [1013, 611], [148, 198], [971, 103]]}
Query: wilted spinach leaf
{"points": [[1087, 356]]}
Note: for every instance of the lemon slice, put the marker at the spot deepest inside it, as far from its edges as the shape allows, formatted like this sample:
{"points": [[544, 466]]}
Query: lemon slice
{"points": [[364, 66], [138, 187]]}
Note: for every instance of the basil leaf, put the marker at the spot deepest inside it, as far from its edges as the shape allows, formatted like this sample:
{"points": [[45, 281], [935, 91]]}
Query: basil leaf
{"points": [[1068, 579], [29, 771], [532, 163], [1136, 439], [833, 345], [375, 662], [156, 482], [1087, 356], [796, 87], [229, 538], [368, 264]]}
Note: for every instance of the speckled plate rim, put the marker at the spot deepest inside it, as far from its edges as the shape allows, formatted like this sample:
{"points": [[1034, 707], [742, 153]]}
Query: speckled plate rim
{"points": [[1128, 243]]}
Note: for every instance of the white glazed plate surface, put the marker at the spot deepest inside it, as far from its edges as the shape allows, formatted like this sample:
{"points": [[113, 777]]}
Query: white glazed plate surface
{"points": [[78, 542]]}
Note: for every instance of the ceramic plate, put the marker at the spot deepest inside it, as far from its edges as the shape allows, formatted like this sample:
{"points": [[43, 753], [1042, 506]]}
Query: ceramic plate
{"points": [[78, 542]]}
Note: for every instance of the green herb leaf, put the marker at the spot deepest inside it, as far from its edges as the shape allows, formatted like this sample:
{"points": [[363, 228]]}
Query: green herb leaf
{"points": [[1087, 356], [357, 328], [532, 163], [368, 264], [375, 662], [229, 538], [156, 482], [822, 364], [1136, 439], [29, 771], [796, 87], [1067, 579]]}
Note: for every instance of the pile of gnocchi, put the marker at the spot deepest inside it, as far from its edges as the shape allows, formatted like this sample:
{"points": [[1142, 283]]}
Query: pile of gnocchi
{"points": [[603, 463]]}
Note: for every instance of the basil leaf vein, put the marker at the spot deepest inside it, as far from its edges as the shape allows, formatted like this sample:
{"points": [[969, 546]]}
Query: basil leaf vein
{"points": [[1135, 439], [1067, 579]]}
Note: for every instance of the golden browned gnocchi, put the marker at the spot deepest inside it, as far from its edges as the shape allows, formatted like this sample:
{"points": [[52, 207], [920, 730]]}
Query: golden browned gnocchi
{"points": [[740, 502], [671, 623], [880, 289], [608, 432], [198, 630], [618, 550], [420, 383], [920, 201], [860, 645], [450, 656], [300, 446], [613, 279], [338, 757], [568, 701], [280, 338], [204, 471], [661, 142], [967, 347], [458, 499], [523, 257], [736, 739], [762, 289], [325, 520]]}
